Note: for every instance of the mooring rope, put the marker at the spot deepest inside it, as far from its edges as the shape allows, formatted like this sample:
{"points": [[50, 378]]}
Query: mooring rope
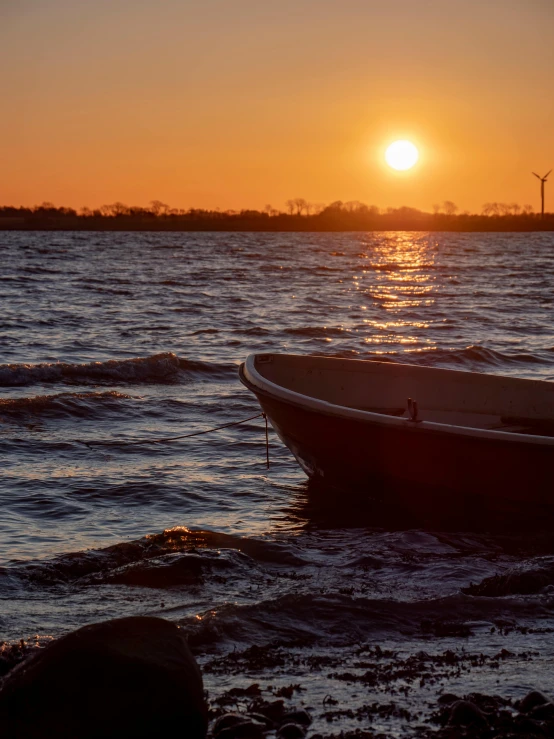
{"points": [[167, 439]]}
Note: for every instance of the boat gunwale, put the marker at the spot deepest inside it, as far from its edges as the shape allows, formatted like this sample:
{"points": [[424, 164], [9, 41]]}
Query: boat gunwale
{"points": [[248, 372]]}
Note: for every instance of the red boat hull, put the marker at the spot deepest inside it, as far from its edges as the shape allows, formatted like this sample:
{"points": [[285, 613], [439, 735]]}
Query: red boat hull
{"points": [[410, 465]]}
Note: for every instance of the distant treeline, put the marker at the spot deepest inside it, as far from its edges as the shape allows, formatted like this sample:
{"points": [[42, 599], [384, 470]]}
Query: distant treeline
{"points": [[300, 215]]}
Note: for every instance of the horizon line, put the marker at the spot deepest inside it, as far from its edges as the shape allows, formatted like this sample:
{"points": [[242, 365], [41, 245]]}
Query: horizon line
{"points": [[294, 207]]}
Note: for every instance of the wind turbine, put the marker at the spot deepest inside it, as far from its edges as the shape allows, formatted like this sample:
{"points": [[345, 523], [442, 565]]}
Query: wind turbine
{"points": [[543, 180]]}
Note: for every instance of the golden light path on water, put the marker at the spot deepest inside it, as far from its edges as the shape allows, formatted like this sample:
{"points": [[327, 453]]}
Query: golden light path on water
{"points": [[400, 277]]}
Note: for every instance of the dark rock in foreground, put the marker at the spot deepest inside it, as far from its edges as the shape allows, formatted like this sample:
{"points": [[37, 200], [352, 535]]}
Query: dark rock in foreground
{"points": [[262, 717], [131, 677], [480, 716], [465, 713], [531, 701]]}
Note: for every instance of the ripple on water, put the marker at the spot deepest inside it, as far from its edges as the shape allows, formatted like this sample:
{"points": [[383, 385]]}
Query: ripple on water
{"points": [[100, 345]]}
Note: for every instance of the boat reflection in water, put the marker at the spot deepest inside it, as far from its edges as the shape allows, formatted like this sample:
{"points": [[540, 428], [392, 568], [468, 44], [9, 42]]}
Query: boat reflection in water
{"points": [[418, 439]]}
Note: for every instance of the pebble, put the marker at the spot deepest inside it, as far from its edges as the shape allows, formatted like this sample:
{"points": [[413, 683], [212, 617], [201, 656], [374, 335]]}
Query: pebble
{"points": [[531, 700], [226, 721], [291, 731], [297, 717], [273, 710], [261, 718], [465, 713], [244, 730], [544, 712]]}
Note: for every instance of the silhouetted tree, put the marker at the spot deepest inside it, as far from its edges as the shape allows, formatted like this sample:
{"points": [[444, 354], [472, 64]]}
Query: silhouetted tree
{"points": [[46, 208], [300, 205], [158, 208], [450, 208], [337, 215], [119, 209]]}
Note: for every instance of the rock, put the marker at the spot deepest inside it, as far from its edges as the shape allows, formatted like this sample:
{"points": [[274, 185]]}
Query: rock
{"points": [[227, 721], [448, 698], [267, 722], [465, 713], [532, 699], [525, 726], [545, 712], [12, 654], [297, 717], [244, 730], [130, 677], [291, 731], [503, 719], [273, 710]]}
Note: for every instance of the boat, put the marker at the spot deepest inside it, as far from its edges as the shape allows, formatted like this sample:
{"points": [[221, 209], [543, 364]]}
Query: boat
{"points": [[410, 434]]}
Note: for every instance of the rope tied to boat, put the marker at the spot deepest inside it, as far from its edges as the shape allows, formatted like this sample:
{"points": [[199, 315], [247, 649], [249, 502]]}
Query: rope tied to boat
{"points": [[413, 411], [169, 439]]}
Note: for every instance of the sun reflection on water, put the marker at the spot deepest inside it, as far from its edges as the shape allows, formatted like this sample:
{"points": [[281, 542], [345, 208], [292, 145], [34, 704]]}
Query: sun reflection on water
{"points": [[399, 278]]}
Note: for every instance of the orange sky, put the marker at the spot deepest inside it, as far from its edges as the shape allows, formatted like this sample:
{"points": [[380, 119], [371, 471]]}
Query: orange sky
{"points": [[243, 103]]}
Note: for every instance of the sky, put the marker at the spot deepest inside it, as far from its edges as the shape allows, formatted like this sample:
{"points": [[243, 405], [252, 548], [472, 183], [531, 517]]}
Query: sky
{"points": [[236, 104]]}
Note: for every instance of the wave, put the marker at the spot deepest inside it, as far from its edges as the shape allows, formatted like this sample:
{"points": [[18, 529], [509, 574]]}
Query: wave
{"points": [[257, 549], [81, 404], [173, 570], [165, 367], [340, 620], [315, 331], [471, 356], [526, 579], [397, 267], [157, 560], [357, 354]]}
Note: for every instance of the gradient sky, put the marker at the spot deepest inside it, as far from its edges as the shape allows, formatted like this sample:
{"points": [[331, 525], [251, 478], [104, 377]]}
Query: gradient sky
{"points": [[243, 103]]}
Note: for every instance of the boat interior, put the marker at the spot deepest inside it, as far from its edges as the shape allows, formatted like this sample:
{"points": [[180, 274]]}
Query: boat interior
{"points": [[450, 397]]}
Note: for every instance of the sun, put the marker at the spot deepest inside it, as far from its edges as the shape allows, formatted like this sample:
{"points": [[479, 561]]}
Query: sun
{"points": [[401, 155]]}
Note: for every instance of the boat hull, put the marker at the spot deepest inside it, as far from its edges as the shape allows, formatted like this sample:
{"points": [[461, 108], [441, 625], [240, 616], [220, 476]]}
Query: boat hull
{"points": [[408, 464]]}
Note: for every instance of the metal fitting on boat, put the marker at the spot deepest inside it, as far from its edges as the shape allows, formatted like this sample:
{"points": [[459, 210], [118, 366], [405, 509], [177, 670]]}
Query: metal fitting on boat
{"points": [[413, 411]]}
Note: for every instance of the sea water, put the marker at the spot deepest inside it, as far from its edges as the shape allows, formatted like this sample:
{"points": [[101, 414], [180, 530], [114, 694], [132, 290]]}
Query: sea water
{"points": [[123, 337]]}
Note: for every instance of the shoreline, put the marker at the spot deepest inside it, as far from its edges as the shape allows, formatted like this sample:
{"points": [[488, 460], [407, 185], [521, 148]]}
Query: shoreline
{"points": [[211, 228], [445, 682]]}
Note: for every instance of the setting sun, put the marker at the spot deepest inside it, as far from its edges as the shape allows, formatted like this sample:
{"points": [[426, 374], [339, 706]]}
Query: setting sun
{"points": [[401, 155]]}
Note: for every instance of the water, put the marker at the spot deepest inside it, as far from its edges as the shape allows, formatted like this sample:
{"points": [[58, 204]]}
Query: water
{"points": [[117, 336]]}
